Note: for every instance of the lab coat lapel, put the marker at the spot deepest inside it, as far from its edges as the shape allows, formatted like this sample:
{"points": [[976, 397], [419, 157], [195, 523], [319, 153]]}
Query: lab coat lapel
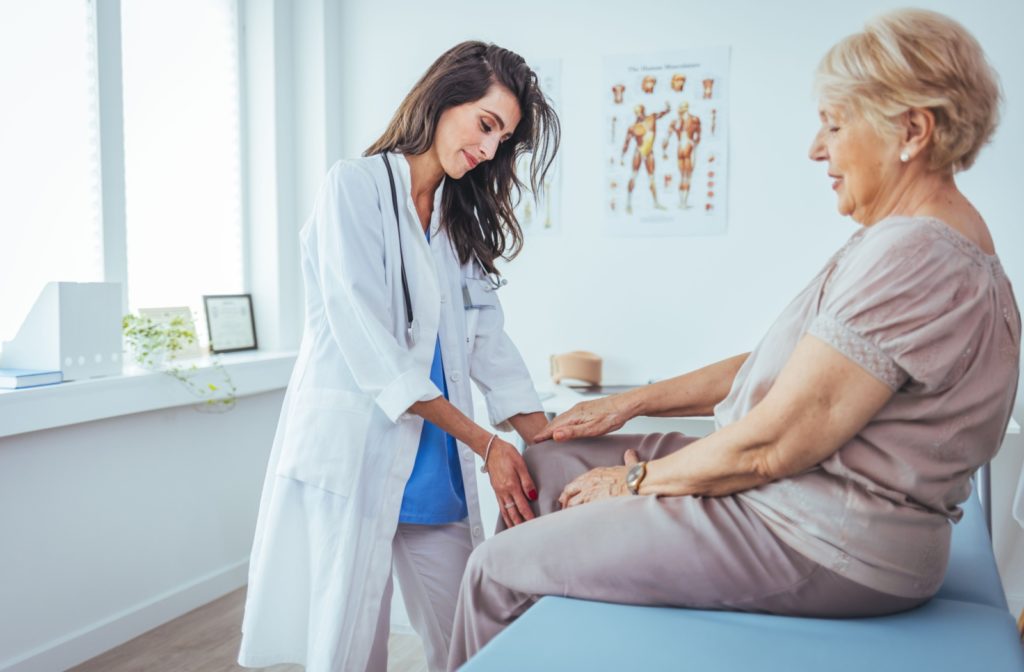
{"points": [[424, 285]]}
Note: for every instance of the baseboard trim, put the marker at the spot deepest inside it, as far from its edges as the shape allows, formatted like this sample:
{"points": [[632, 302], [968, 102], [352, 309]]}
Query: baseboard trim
{"points": [[81, 645]]}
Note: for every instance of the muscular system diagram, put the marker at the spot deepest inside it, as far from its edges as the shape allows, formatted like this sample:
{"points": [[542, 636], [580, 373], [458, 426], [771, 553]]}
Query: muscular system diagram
{"points": [[685, 130], [642, 134], [709, 85], [540, 214], [670, 139]]}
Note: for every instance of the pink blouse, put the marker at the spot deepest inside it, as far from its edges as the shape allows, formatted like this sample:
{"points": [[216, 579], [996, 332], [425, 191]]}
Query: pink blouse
{"points": [[929, 314]]}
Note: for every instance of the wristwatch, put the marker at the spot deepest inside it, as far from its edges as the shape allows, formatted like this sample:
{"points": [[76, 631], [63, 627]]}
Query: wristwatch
{"points": [[635, 476]]}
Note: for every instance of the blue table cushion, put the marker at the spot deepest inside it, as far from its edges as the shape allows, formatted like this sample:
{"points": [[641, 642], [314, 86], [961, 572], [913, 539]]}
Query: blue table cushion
{"points": [[972, 575], [966, 627]]}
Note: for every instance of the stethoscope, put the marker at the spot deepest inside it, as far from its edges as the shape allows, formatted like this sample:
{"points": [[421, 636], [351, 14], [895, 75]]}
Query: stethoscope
{"points": [[493, 281]]}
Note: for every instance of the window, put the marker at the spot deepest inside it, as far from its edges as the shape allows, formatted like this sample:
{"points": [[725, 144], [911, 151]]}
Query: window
{"points": [[49, 162], [182, 159], [182, 231]]}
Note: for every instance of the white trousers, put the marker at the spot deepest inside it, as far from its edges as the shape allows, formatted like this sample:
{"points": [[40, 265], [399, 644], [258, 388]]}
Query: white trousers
{"points": [[429, 561]]}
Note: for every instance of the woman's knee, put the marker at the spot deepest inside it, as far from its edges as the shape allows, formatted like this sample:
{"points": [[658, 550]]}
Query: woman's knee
{"points": [[538, 454]]}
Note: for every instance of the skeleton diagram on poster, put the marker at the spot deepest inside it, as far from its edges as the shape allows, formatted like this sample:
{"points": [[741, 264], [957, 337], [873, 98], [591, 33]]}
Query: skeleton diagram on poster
{"points": [[543, 215], [667, 138]]}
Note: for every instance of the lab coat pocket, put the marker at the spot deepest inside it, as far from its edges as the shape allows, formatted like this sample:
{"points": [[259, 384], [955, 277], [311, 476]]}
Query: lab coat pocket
{"points": [[472, 320], [478, 297], [325, 441]]}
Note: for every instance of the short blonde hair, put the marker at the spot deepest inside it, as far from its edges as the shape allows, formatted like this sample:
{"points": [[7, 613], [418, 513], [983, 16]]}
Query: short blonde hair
{"points": [[914, 58]]}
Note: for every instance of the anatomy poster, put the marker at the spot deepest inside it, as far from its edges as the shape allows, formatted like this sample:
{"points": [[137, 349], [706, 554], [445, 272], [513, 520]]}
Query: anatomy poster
{"points": [[667, 135], [543, 215]]}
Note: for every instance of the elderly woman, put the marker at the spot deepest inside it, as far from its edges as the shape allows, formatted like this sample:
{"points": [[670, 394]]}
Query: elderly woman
{"points": [[847, 438]]}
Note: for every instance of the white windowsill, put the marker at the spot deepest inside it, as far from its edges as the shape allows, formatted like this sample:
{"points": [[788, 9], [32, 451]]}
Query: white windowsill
{"points": [[138, 391], [135, 391]]}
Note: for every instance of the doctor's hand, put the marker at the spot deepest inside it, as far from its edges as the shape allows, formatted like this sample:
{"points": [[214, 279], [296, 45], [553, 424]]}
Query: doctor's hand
{"points": [[511, 482], [600, 483], [588, 418]]}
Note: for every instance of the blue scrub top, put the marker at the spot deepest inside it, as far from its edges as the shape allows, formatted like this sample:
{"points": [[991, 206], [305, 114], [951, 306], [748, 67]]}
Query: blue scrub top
{"points": [[434, 493]]}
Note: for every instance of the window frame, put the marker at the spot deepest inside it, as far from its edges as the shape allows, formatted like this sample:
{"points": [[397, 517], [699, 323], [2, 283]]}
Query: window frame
{"points": [[113, 222]]}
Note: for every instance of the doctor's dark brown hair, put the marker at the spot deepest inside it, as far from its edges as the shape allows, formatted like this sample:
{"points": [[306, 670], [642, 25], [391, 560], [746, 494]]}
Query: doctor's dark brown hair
{"points": [[478, 208]]}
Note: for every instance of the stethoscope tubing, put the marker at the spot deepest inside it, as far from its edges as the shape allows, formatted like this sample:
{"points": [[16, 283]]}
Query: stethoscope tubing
{"points": [[494, 281]]}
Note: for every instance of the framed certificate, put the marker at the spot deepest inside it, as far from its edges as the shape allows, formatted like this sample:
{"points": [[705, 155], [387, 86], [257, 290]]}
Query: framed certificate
{"points": [[230, 322]]}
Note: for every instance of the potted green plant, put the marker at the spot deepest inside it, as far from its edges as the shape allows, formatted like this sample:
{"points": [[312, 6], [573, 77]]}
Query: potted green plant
{"points": [[156, 345]]}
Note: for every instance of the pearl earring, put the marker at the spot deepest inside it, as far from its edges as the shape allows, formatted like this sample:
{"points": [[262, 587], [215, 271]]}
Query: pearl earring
{"points": [[904, 156]]}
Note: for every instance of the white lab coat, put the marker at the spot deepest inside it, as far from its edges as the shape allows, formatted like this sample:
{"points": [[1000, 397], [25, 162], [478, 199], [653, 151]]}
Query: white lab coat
{"points": [[345, 445]]}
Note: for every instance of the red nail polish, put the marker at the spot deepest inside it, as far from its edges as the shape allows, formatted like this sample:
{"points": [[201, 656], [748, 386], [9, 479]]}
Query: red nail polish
{"points": [[533, 495]]}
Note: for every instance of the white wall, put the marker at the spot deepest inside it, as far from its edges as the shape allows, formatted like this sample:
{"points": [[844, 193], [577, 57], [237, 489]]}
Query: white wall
{"points": [[1008, 539], [110, 528], [655, 307], [652, 307]]}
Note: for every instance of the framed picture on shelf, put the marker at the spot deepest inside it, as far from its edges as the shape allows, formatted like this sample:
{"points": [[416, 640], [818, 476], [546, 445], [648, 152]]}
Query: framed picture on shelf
{"points": [[230, 323]]}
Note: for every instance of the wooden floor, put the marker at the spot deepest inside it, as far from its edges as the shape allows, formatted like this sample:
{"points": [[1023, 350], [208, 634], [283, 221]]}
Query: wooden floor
{"points": [[206, 640]]}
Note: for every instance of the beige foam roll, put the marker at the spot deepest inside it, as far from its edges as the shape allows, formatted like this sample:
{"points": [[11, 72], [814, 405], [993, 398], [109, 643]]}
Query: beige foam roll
{"points": [[577, 365]]}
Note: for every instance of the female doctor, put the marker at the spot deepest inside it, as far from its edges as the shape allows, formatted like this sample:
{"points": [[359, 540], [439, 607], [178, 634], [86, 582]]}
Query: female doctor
{"points": [[373, 462]]}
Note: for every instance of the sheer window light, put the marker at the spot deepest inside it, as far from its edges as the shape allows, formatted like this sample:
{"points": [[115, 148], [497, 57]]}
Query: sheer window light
{"points": [[49, 153], [182, 157]]}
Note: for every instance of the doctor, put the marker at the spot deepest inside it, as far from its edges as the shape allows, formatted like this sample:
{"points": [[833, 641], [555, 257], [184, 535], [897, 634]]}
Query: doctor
{"points": [[373, 462]]}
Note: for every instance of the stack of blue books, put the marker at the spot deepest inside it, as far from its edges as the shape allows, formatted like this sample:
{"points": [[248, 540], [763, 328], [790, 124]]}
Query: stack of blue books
{"points": [[15, 379]]}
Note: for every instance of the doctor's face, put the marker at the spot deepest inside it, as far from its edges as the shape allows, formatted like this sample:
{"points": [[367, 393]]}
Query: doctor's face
{"points": [[470, 133]]}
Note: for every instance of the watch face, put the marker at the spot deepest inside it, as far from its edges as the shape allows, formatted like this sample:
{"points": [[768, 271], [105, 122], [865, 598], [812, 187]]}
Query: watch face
{"points": [[635, 475]]}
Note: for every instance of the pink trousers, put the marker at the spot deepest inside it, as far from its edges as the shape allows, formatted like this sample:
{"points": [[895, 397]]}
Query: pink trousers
{"points": [[704, 553]]}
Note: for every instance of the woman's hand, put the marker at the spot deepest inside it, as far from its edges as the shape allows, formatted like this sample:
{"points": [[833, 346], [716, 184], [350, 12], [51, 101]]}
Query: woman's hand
{"points": [[600, 483], [511, 482], [588, 418]]}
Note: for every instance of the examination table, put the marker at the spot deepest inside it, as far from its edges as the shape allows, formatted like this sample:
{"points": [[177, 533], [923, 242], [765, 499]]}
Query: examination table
{"points": [[966, 627]]}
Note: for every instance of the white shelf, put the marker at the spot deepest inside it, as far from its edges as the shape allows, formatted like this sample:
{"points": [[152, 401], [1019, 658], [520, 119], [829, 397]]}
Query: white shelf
{"points": [[135, 391]]}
